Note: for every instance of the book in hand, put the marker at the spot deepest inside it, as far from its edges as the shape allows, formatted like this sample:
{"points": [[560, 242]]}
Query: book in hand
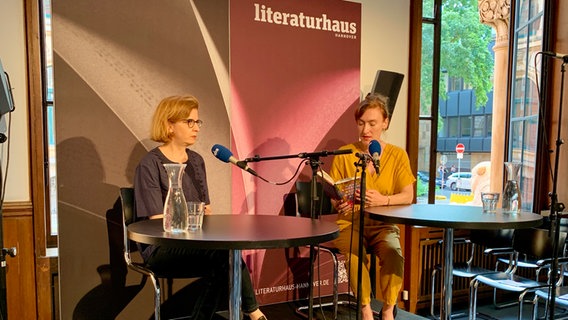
{"points": [[343, 189]]}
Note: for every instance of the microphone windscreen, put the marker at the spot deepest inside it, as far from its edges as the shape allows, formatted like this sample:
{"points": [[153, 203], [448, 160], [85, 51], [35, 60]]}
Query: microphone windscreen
{"points": [[374, 147], [221, 152]]}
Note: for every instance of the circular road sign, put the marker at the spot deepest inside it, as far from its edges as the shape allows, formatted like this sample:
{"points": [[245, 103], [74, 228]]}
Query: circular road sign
{"points": [[460, 148]]}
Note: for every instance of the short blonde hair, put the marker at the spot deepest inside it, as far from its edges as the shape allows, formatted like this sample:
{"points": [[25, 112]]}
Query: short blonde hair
{"points": [[170, 110], [373, 100]]}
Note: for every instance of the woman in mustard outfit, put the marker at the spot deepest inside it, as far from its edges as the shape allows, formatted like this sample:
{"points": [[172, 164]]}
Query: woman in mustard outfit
{"points": [[392, 186]]}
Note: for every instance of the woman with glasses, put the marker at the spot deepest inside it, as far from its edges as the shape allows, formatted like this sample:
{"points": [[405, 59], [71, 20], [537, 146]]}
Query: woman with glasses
{"points": [[176, 125]]}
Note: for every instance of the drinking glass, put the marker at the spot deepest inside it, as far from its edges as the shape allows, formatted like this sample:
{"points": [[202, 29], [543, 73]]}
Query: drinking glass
{"points": [[195, 211], [489, 201]]}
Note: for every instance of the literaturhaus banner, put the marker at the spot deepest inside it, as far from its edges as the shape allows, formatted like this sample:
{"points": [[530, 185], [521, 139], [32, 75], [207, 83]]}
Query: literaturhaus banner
{"points": [[294, 71]]}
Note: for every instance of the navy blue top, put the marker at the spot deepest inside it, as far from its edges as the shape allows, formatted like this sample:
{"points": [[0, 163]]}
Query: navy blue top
{"points": [[151, 182]]}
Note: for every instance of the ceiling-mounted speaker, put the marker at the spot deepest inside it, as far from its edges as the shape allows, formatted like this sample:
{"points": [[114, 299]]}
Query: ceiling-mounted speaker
{"points": [[387, 83]]}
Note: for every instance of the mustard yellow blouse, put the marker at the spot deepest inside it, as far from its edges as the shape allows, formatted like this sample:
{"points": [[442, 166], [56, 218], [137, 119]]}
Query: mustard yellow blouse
{"points": [[395, 172]]}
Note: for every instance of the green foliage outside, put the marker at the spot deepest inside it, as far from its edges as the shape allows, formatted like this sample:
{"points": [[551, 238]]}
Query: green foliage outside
{"points": [[464, 52], [421, 188]]}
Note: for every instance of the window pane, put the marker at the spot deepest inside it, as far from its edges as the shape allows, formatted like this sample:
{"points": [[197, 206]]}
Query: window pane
{"points": [[535, 46], [52, 171], [479, 126], [47, 59], [528, 38], [516, 140], [48, 50], [428, 8], [531, 100], [426, 70], [522, 11], [453, 127], [519, 97], [530, 139], [528, 161], [424, 149], [537, 7], [465, 124]]}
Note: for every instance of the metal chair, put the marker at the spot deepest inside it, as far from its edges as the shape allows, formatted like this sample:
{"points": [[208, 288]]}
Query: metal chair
{"points": [[521, 261], [324, 207], [496, 242], [128, 216], [524, 262], [535, 243], [561, 300]]}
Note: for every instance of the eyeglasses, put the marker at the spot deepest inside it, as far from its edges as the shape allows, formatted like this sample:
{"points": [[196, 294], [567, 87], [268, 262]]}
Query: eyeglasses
{"points": [[191, 122]]}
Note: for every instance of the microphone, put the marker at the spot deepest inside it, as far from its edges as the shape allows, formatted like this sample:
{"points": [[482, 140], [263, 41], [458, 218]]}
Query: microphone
{"points": [[561, 56], [375, 151], [225, 155]]}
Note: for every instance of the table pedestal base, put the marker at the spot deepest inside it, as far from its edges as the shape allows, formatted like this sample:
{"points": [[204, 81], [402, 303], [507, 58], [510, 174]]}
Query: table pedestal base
{"points": [[235, 284], [235, 277]]}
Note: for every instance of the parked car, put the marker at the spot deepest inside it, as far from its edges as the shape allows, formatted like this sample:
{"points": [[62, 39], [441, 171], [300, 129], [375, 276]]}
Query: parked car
{"points": [[459, 181]]}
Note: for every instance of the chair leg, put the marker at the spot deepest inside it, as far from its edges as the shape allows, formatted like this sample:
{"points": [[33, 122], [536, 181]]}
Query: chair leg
{"points": [[535, 307], [521, 300], [336, 302], [473, 299], [495, 289], [335, 285], [511, 270], [157, 301], [432, 293]]}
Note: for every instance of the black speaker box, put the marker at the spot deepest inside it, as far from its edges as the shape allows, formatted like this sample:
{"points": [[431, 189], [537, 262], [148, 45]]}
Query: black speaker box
{"points": [[6, 100], [387, 83]]}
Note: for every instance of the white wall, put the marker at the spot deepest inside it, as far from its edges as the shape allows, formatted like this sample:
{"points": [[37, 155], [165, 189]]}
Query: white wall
{"points": [[385, 46], [13, 56]]}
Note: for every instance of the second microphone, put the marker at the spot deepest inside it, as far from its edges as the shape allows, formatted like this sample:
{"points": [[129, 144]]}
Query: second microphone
{"points": [[225, 155]]}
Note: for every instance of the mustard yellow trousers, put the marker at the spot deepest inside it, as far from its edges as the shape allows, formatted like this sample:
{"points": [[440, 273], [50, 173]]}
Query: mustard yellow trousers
{"points": [[384, 241]]}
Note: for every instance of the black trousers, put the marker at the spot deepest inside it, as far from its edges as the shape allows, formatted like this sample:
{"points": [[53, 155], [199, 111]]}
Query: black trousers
{"points": [[213, 266]]}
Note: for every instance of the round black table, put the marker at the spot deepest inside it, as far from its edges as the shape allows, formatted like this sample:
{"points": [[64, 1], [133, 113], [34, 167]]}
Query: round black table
{"points": [[238, 232], [449, 216]]}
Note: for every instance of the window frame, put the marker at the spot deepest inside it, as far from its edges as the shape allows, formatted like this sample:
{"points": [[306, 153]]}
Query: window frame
{"points": [[539, 181]]}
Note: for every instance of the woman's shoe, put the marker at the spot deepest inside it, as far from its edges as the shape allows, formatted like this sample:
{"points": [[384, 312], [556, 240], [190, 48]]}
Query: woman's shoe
{"points": [[262, 317]]}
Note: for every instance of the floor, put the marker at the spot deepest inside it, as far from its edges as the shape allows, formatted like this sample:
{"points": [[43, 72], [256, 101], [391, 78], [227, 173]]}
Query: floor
{"points": [[287, 311], [345, 312]]}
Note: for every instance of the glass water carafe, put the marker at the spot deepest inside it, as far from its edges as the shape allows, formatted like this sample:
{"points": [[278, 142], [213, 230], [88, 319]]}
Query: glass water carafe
{"points": [[512, 192], [175, 206]]}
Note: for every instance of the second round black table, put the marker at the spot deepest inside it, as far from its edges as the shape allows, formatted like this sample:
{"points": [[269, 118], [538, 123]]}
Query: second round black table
{"points": [[449, 217]]}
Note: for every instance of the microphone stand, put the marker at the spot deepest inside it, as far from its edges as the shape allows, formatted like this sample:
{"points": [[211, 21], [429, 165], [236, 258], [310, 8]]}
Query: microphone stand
{"points": [[301, 155], [313, 159], [363, 159], [314, 164], [555, 207]]}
